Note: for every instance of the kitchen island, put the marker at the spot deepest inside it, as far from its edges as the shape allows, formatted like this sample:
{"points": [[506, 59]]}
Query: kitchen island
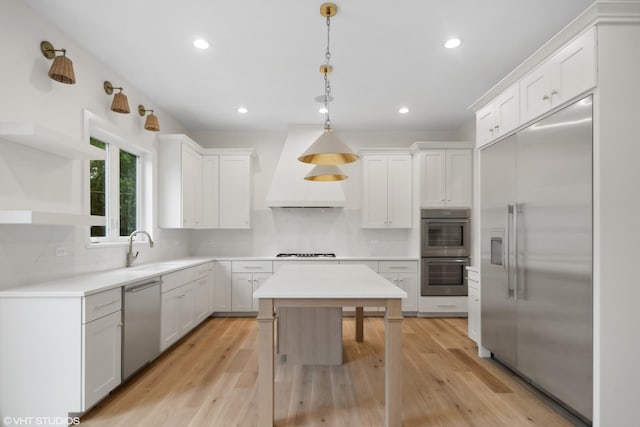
{"points": [[329, 286]]}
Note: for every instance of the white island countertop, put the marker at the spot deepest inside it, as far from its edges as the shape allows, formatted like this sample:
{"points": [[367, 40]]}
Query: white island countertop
{"points": [[328, 281]]}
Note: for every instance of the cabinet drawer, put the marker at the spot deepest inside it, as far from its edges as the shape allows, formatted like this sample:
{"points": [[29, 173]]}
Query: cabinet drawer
{"points": [[98, 305], [443, 304], [277, 265], [398, 267], [371, 264], [178, 278], [251, 266], [473, 284], [203, 270]]}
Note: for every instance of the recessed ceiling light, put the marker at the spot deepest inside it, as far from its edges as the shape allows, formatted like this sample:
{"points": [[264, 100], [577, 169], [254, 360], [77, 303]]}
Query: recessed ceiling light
{"points": [[201, 44], [323, 110], [403, 110], [242, 110], [453, 43]]}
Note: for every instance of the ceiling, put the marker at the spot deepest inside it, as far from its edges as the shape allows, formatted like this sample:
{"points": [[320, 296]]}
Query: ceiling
{"points": [[265, 56]]}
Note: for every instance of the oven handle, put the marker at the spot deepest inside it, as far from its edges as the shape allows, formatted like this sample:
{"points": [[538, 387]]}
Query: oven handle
{"points": [[447, 220], [445, 261]]}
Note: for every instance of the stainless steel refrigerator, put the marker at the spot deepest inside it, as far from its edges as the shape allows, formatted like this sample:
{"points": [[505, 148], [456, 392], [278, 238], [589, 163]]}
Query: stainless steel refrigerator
{"points": [[536, 254]]}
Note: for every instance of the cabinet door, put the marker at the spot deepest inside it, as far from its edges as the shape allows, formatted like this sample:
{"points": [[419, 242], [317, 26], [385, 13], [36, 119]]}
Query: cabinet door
{"points": [[222, 286], [170, 318], [375, 199], [241, 292], [485, 124], [235, 191], [409, 283], [102, 357], [201, 299], [210, 192], [189, 161], [212, 291], [197, 191], [399, 191], [458, 171], [258, 280], [474, 313], [187, 302], [507, 111], [433, 178], [574, 68], [535, 92]]}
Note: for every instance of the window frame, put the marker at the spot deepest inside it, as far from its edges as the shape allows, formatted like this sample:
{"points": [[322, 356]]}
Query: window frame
{"points": [[115, 143]]}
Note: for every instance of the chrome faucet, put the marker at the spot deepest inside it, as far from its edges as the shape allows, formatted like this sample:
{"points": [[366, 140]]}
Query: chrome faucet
{"points": [[130, 256]]}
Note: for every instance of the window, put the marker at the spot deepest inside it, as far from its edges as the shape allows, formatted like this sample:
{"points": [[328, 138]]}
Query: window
{"points": [[114, 192]]}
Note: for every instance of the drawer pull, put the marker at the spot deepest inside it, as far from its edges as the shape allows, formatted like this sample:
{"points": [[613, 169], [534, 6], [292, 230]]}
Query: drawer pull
{"points": [[446, 306], [404, 267], [98, 307], [252, 267]]}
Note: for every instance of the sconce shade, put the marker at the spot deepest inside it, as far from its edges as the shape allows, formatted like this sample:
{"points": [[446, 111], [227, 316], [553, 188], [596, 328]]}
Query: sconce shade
{"points": [[62, 70], [326, 173], [120, 103], [328, 150], [151, 123]]}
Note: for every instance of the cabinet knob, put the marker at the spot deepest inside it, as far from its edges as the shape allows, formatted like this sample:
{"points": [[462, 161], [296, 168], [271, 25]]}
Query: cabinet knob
{"points": [[497, 127], [554, 92], [544, 98], [491, 130]]}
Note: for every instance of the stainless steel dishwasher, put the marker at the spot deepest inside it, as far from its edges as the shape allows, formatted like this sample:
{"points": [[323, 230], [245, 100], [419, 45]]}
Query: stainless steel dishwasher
{"points": [[141, 334]]}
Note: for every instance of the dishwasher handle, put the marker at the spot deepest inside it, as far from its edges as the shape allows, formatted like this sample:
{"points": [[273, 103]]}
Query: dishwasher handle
{"points": [[142, 286]]}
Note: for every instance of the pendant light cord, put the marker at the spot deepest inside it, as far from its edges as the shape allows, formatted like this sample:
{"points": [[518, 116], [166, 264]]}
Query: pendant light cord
{"points": [[327, 83]]}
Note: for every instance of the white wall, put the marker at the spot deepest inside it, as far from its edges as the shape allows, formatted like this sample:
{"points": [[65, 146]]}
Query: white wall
{"points": [[30, 179], [308, 230]]}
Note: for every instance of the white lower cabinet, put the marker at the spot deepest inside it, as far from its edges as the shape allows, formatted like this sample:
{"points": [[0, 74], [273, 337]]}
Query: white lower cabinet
{"points": [[222, 286], [246, 277], [102, 357], [473, 285], [178, 314], [60, 355], [203, 291], [452, 306], [403, 274]]}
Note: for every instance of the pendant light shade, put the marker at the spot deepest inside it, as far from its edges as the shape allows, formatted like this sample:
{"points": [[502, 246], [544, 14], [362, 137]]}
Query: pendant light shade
{"points": [[120, 103], [328, 149], [62, 67], [326, 173], [151, 123]]}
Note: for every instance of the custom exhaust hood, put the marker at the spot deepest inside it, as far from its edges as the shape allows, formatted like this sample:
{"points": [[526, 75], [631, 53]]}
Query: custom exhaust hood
{"points": [[289, 188]]}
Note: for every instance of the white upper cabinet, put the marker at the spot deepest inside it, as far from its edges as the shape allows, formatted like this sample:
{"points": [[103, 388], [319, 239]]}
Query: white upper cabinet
{"points": [[499, 117], [446, 178], [568, 73], [203, 188], [387, 191], [235, 191], [179, 169], [210, 191]]}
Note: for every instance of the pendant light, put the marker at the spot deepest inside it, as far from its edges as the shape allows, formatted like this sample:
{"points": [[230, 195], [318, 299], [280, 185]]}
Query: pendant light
{"points": [[328, 149], [326, 173]]}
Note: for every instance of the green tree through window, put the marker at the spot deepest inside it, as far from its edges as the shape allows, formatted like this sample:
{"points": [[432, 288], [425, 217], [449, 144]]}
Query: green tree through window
{"points": [[103, 199]]}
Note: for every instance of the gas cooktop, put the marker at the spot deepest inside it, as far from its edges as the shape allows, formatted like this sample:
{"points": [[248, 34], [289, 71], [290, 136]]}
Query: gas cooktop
{"points": [[306, 255]]}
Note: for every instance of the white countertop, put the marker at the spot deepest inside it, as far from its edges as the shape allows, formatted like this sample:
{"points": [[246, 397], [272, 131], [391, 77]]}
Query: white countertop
{"points": [[91, 283], [328, 281], [337, 258]]}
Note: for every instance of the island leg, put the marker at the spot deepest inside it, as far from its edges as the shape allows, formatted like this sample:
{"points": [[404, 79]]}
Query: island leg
{"points": [[265, 363], [359, 324], [393, 369]]}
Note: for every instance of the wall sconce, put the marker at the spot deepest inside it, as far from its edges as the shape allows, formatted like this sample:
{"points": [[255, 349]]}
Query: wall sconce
{"points": [[62, 68], [120, 103], [151, 123]]}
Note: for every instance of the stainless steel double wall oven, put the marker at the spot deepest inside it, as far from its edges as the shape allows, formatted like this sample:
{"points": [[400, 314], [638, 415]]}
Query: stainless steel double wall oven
{"points": [[444, 251]]}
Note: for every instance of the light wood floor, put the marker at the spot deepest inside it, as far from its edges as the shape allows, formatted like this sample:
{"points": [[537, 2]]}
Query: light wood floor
{"points": [[209, 379]]}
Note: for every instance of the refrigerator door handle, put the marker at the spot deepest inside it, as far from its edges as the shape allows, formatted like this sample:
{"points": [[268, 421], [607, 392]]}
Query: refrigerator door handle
{"points": [[516, 207], [507, 249]]}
